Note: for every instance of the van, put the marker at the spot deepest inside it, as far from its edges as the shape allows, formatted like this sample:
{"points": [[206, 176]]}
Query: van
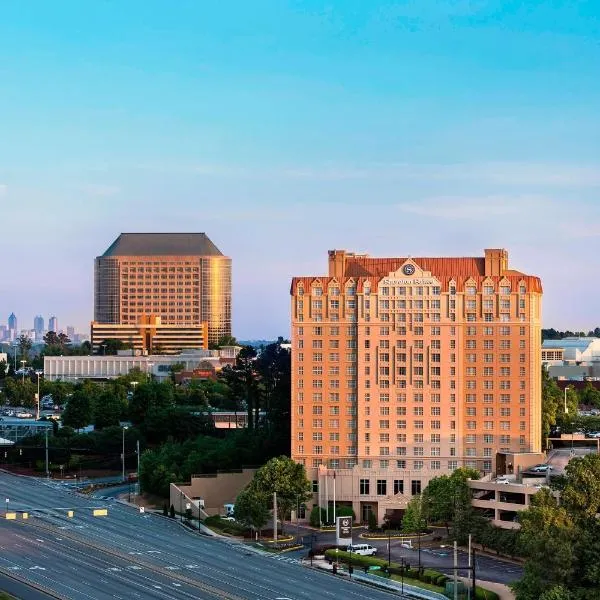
{"points": [[362, 549]]}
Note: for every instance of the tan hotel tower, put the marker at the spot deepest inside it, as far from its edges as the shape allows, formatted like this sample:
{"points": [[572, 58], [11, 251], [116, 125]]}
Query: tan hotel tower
{"points": [[171, 290], [407, 368]]}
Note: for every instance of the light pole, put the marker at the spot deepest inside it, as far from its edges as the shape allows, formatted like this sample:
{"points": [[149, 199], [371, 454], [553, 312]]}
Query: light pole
{"points": [[38, 373], [138, 485], [123, 454], [15, 346], [23, 363], [568, 387]]}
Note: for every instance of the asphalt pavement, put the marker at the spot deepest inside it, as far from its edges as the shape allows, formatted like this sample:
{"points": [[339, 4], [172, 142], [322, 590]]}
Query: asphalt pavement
{"points": [[487, 567], [128, 554]]}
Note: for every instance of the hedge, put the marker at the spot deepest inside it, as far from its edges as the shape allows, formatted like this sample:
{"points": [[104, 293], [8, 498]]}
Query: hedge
{"points": [[427, 576]]}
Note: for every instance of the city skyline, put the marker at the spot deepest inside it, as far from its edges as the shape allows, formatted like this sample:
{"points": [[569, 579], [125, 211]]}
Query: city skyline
{"points": [[287, 131]]}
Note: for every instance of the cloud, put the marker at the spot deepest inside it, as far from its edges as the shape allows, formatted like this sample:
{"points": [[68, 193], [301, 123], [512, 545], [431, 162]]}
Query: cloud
{"points": [[496, 173], [476, 208]]}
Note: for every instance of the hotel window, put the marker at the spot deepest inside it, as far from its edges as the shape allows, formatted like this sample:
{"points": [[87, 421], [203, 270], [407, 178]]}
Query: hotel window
{"points": [[471, 344], [418, 465], [504, 290], [418, 424], [436, 331], [471, 424], [381, 487], [317, 449], [364, 486], [471, 411], [415, 487], [488, 344], [470, 290], [488, 290], [401, 424]]}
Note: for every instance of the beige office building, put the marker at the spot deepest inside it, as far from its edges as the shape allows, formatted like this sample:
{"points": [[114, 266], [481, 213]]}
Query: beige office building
{"points": [[171, 279], [407, 368]]}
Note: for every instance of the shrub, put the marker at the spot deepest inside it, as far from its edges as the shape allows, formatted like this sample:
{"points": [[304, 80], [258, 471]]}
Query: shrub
{"points": [[345, 511], [483, 594], [172, 512], [372, 521], [314, 516]]}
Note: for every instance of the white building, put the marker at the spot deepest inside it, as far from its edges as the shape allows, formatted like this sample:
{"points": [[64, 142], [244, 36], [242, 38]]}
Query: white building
{"points": [[575, 358], [75, 368]]}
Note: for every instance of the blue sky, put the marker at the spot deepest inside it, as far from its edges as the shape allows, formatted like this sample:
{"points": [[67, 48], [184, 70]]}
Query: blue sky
{"points": [[286, 128]]}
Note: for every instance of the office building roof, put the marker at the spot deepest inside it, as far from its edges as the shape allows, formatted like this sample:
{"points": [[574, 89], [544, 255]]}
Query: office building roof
{"points": [[163, 244]]}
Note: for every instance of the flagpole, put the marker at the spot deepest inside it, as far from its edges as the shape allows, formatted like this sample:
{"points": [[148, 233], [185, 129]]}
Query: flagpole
{"points": [[327, 497], [334, 496]]}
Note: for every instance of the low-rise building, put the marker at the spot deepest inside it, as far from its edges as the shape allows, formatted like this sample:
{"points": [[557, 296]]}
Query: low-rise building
{"points": [[76, 368], [572, 358]]}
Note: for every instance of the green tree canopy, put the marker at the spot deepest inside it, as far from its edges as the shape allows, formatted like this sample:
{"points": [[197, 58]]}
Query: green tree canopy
{"points": [[561, 542], [285, 477], [252, 508]]}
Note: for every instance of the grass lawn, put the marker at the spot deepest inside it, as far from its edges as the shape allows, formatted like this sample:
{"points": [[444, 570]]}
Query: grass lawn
{"points": [[419, 584]]}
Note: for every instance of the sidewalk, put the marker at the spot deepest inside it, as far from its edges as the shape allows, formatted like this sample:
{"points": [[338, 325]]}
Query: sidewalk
{"points": [[502, 590]]}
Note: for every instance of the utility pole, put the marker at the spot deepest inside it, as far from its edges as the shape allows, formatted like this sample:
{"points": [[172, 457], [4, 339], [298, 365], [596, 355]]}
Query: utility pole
{"points": [[139, 486], [275, 517], [334, 522], [326, 497], [47, 469], [456, 570], [469, 563], [473, 572]]}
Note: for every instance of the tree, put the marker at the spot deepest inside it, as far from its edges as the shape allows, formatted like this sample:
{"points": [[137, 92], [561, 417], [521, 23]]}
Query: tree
{"points": [[109, 407], [413, 520], [111, 347], [550, 403], [24, 344], [445, 497], [251, 508], [244, 382], [3, 369], [226, 340], [79, 412], [275, 368], [561, 542], [285, 477], [589, 395]]}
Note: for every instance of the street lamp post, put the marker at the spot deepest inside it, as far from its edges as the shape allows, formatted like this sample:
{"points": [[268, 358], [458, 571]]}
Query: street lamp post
{"points": [[38, 373], [23, 363], [123, 454], [15, 346], [568, 387]]}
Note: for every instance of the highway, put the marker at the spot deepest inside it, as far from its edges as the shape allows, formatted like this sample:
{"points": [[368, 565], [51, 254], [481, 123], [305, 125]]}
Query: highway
{"points": [[131, 555]]}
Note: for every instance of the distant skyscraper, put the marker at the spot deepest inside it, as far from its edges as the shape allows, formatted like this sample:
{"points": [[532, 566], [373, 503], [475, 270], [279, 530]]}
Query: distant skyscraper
{"points": [[12, 322], [70, 332], [53, 324], [38, 325]]}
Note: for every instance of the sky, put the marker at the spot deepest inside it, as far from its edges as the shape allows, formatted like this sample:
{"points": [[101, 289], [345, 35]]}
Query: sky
{"points": [[286, 128]]}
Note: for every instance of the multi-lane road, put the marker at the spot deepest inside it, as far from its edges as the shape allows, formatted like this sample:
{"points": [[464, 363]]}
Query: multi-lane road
{"points": [[132, 555]]}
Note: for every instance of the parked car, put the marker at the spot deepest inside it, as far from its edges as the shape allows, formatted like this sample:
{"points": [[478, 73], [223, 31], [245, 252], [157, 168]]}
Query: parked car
{"points": [[541, 469], [503, 480], [362, 549]]}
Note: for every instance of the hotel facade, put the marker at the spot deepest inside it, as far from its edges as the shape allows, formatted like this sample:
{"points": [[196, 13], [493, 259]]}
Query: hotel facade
{"points": [[150, 286], [408, 368]]}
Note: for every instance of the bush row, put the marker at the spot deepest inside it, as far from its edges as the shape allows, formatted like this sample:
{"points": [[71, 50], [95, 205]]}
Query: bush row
{"points": [[425, 575]]}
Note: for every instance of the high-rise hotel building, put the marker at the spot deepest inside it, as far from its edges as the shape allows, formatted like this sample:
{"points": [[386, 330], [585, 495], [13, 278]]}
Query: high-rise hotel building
{"points": [[407, 368], [167, 289]]}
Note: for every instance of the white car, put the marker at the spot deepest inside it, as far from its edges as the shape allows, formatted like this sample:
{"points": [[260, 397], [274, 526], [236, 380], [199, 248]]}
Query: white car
{"points": [[503, 480], [541, 469], [362, 549]]}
